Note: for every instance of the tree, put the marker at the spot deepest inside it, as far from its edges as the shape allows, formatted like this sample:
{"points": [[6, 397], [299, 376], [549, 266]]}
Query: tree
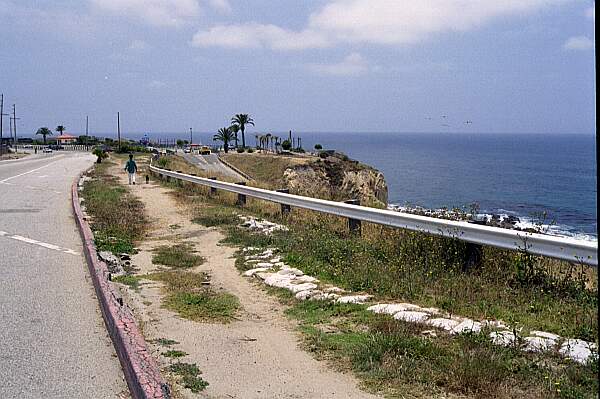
{"points": [[60, 129], [179, 143], [100, 153], [286, 145], [226, 136], [44, 131], [242, 120], [318, 147], [235, 129]]}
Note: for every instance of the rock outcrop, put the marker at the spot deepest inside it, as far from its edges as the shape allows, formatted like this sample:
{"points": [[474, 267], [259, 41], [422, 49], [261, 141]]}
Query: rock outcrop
{"points": [[338, 178]]}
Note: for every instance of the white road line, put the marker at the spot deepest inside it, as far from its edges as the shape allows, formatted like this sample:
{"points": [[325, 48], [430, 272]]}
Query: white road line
{"points": [[38, 243], [31, 171]]}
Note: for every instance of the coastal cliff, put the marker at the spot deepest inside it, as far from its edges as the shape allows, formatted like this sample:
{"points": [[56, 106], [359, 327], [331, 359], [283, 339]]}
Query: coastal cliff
{"points": [[331, 175], [339, 178]]}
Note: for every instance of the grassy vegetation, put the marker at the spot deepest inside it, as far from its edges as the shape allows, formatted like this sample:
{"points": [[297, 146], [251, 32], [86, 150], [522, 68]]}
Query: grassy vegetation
{"points": [[128, 280], [174, 354], [190, 376], [166, 342], [179, 256], [265, 168], [118, 217], [190, 298]]}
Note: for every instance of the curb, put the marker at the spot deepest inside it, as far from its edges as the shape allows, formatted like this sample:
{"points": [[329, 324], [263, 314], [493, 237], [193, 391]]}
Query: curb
{"points": [[139, 367]]}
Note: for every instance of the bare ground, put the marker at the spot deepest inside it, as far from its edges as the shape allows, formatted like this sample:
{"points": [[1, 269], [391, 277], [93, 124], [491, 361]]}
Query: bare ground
{"points": [[255, 356]]}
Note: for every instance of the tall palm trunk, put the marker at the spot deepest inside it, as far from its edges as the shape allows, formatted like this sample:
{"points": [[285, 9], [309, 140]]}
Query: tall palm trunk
{"points": [[243, 136]]}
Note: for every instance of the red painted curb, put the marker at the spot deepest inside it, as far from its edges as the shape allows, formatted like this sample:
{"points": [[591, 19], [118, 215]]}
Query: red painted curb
{"points": [[140, 368]]}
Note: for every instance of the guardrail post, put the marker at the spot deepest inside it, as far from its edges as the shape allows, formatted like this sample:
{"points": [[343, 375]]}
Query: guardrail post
{"points": [[474, 255], [213, 190], [354, 225], [285, 208], [241, 201]]}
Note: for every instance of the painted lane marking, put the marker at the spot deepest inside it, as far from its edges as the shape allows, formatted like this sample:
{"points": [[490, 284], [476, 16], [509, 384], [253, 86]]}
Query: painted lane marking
{"points": [[31, 171], [33, 188], [38, 243]]}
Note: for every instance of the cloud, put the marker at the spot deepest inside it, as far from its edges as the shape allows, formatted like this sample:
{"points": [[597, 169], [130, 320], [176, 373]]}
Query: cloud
{"points": [[353, 65], [169, 13], [254, 35], [578, 43], [220, 5], [382, 22]]}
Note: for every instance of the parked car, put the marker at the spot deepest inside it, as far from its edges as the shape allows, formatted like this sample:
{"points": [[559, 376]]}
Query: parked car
{"points": [[187, 150], [47, 150]]}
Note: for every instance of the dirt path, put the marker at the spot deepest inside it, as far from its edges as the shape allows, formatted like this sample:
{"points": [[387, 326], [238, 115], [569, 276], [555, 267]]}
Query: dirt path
{"points": [[255, 356]]}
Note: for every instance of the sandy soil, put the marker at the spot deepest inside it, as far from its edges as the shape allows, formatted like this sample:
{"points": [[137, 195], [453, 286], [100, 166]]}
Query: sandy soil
{"points": [[256, 356]]}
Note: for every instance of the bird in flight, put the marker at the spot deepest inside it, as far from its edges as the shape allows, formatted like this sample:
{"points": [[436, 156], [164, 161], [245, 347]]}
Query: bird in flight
{"points": [[468, 122]]}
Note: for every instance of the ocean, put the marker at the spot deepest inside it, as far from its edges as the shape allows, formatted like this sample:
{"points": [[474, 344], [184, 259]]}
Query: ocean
{"points": [[522, 175]]}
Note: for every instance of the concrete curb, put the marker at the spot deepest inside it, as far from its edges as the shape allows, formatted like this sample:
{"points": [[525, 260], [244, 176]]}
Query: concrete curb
{"points": [[140, 368]]}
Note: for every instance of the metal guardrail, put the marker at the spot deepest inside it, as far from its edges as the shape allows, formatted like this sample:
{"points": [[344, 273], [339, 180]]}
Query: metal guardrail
{"points": [[568, 249]]}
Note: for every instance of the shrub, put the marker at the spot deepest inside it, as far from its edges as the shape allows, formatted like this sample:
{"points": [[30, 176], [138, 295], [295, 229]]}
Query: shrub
{"points": [[318, 147], [250, 150], [286, 145], [100, 153], [240, 150]]}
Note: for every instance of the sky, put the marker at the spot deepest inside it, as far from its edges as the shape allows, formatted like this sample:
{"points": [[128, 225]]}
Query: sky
{"points": [[507, 66]]}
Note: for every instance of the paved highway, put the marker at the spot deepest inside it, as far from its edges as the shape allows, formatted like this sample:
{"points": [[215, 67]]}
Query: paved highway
{"points": [[53, 343]]}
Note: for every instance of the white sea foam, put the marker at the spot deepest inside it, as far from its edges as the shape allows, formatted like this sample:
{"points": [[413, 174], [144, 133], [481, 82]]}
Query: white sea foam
{"points": [[524, 223]]}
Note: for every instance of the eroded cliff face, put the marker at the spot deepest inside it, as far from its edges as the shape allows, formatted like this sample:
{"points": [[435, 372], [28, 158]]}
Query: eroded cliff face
{"points": [[338, 178]]}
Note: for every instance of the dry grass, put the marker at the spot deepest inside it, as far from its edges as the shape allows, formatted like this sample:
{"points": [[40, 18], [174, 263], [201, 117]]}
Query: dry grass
{"points": [[265, 168]]}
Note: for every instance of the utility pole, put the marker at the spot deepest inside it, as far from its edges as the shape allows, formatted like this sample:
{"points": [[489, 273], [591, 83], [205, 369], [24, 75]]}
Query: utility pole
{"points": [[87, 123], [2, 115], [119, 129], [191, 141], [15, 119]]}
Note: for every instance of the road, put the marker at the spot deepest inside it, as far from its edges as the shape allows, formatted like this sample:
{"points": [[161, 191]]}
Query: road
{"points": [[212, 164], [53, 342]]}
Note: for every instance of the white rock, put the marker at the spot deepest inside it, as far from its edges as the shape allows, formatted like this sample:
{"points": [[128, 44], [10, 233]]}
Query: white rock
{"points": [[304, 295], [295, 288], [278, 280], [411, 316], [578, 350], [248, 249], [504, 338], [291, 270], [264, 264], [444, 324], [495, 324], [389, 308], [334, 289], [306, 279], [275, 259], [430, 310], [324, 296], [544, 334], [539, 344], [252, 272], [354, 299], [262, 275], [466, 326]]}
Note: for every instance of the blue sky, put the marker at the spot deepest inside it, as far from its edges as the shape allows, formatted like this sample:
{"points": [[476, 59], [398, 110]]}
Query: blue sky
{"points": [[312, 65]]}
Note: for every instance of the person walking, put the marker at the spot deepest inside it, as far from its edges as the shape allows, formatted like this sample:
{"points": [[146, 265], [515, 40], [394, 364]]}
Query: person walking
{"points": [[131, 168]]}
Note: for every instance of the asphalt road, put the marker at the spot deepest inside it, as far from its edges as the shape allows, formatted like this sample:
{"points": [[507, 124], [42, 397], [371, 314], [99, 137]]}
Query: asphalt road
{"points": [[212, 164], [53, 342]]}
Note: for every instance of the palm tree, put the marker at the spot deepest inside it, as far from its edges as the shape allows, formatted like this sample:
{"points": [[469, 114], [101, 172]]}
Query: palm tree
{"points": [[235, 129], [256, 136], [60, 129], [44, 131], [242, 120], [226, 136]]}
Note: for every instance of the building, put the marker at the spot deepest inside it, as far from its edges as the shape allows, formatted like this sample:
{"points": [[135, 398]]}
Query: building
{"points": [[65, 139]]}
